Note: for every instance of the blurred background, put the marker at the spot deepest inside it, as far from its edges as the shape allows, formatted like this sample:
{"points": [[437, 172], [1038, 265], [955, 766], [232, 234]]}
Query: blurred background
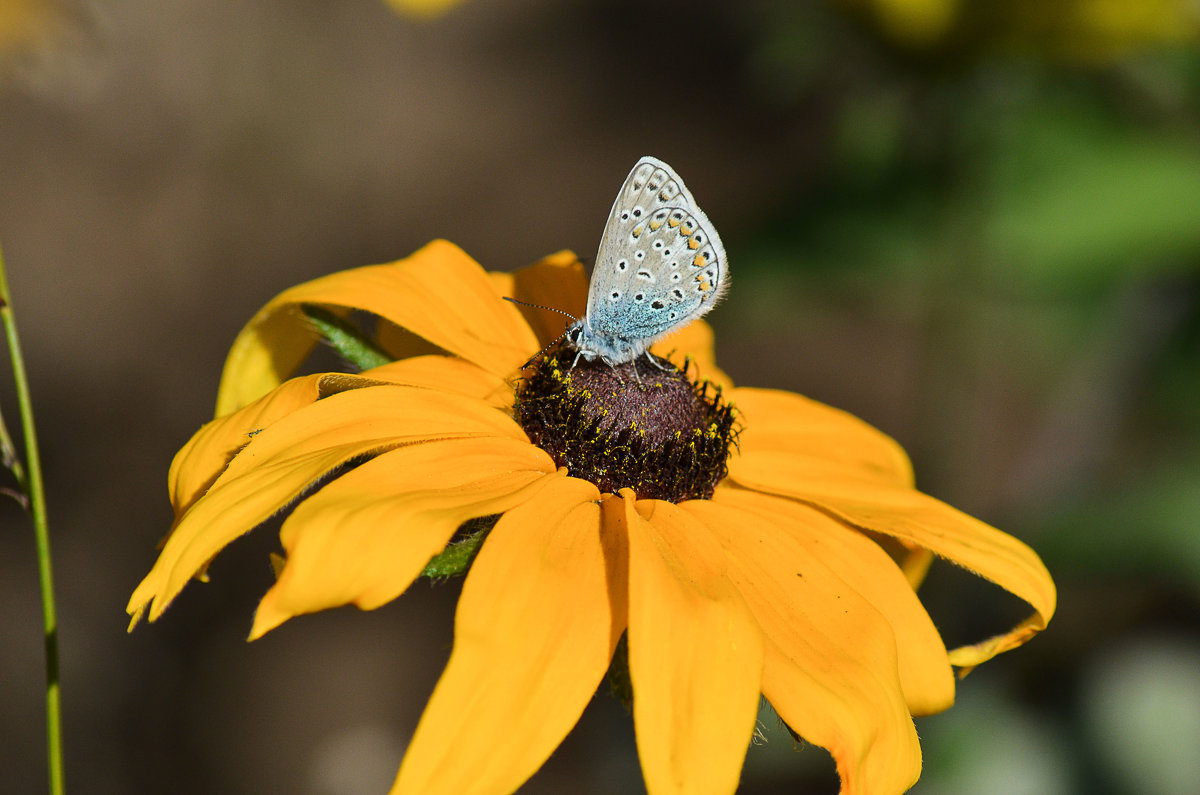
{"points": [[974, 223]]}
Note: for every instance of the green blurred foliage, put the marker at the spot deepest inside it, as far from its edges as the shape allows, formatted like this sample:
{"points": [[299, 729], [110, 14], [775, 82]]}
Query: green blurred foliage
{"points": [[1020, 191]]}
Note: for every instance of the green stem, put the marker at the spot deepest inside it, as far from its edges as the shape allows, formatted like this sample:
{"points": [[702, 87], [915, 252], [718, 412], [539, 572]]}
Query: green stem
{"points": [[32, 482]]}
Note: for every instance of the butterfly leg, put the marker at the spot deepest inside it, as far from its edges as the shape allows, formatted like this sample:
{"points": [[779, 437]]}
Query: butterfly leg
{"points": [[666, 368]]}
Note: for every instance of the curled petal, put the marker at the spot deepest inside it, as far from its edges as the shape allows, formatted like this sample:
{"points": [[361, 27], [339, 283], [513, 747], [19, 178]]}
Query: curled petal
{"points": [[695, 652], [438, 293], [918, 519], [539, 617], [363, 538], [830, 668], [285, 458]]}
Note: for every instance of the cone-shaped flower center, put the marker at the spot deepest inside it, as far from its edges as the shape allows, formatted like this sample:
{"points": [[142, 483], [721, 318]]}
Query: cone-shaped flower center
{"points": [[643, 425]]}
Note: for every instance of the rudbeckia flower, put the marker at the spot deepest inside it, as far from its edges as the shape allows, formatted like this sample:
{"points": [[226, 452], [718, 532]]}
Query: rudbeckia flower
{"points": [[743, 541]]}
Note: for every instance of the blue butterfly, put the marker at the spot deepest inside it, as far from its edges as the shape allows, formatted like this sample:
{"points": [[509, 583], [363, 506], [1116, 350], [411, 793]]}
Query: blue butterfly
{"points": [[660, 266]]}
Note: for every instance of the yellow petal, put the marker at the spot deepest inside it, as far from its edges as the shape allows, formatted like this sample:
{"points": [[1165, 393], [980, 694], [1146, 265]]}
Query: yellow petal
{"points": [[788, 424], [206, 455], [447, 373], [363, 538], [864, 566], [438, 293], [209, 451], [915, 563], [830, 667], [400, 343], [558, 281], [539, 616], [695, 653], [919, 519], [694, 341], [285, 458]]}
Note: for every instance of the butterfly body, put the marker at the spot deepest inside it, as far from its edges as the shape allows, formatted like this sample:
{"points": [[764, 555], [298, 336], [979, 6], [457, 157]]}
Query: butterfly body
{"points": [[660, 266]]}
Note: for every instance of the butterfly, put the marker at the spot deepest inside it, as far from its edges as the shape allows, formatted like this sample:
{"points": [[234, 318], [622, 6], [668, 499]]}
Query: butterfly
{"points": [[660, 266]]}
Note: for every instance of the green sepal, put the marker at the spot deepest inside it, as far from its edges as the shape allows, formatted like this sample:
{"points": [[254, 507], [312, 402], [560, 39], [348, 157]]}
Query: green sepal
{"points": [[456, 558], [620, 683], [348, 340]]}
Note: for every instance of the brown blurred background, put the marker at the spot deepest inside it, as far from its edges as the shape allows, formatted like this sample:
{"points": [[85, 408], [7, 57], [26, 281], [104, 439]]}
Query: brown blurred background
{"points": [[975, 224]]}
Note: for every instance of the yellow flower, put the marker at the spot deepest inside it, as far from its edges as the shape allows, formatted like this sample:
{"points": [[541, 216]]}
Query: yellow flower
{"points": [[1093, 31], [425, 9], [25, 24], [791, 574]]}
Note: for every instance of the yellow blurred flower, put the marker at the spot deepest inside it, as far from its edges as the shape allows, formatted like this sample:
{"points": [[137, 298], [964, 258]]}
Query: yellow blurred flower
{"points": [[23, 23], [916, 22], [764, 572], [423, 8], [1084, 30]]}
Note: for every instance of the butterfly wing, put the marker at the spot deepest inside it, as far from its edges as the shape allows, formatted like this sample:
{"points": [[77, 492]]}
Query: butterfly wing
{"points": [[660, 264]]}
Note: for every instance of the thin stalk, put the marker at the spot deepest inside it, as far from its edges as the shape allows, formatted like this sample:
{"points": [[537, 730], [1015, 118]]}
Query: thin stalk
{"points": [[31, 481]]}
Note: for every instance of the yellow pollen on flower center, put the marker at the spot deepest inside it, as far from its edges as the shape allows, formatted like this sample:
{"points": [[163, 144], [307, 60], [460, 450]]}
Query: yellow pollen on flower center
{"points": [[643, 425]]}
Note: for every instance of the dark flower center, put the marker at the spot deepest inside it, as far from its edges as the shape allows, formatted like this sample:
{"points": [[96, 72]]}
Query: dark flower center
{"points": [[643, 425]]}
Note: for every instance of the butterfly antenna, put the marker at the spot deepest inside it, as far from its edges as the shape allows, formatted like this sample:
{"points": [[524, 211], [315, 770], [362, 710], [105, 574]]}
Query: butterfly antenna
{"points": [[554, 341], [539, 354], [541, 306]]}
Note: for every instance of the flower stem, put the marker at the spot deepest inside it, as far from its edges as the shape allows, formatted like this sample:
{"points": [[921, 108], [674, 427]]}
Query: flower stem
{"points": [[30, 480]]}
